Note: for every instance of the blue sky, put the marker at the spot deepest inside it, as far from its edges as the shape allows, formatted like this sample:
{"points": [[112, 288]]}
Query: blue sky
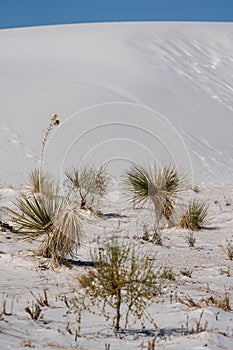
{"points": [[22, 13]]}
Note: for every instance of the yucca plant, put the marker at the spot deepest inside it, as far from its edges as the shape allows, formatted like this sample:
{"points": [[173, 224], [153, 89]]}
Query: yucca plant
{"points": [[195, 216], [88, 183], [44, 212], [52, 216], [159, 186], [64, 237], [39, 181]]}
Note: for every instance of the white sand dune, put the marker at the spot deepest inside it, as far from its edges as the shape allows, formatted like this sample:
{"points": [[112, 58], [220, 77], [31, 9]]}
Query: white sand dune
{"points": [[172, 82], [125, 92]]}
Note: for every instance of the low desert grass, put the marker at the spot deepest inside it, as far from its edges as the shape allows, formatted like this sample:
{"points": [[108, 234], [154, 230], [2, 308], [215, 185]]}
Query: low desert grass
{"points": [[220, 301], [229, 249], [195, 216], [190, 239]]}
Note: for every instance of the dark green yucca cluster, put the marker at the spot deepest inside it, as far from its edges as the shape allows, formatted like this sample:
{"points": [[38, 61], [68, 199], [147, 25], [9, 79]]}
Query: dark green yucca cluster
{"points": [[195, 216], [49, 215], [159, 186], [36, 212]]}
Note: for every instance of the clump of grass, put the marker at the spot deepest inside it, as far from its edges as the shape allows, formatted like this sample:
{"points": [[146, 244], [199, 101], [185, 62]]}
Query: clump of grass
{"points": [[186, 272], [146, 234], [168, 274], [222, 302], [195, 216], [159, 186], [153, 235], [34, 312], [88, 184], [53, 217], [225, 271], [189, 301], [190, 239], [157, 236]]}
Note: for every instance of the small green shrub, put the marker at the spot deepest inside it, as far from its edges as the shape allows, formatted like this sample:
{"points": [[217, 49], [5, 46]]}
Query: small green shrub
{"points": [[122, 281], [88, 184], [195, 216]]}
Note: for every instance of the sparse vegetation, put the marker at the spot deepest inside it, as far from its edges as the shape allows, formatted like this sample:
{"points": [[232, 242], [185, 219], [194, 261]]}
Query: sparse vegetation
{"points": [[190, 239], [189, 301], [168, 274], [42, 300], [3, 310], [157, 236], [221, 301], [225, 271], [34, 311], [159, 186], [121, 282], [88, 184], [198, 327], [121, 278], [186, 272], [46, 212], [53, 216], [229, 249], [40, 181], [195, 216]]}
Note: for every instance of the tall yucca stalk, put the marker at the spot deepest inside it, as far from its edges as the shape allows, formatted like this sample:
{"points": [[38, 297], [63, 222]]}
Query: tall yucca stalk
{"points": [[44, 212], [159, 186], [54, 121]]}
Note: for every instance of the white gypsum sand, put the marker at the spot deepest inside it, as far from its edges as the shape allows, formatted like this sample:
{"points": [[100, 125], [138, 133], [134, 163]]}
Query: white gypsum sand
{"points": [[124, 92]]}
